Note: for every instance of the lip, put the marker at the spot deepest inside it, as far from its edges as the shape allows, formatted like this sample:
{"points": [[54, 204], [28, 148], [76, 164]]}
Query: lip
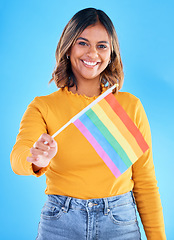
{"points": [[89, 64]]}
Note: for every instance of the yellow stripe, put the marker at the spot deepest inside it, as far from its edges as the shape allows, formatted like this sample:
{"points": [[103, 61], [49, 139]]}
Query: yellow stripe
{"points": [[122, 128], [115, 132]]}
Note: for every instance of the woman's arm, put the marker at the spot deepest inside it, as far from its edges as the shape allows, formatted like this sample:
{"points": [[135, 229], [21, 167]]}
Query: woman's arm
{"points": [[145, 185], [26, 159]]}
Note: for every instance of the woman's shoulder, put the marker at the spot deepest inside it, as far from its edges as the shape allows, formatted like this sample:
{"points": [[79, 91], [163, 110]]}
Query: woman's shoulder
{"points": [[56, 96], [45, 101], [126, 97], [50, 96], [129, 102]]}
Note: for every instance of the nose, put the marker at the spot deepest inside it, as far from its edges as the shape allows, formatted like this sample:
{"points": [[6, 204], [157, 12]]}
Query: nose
{"points": [[92, 52]]}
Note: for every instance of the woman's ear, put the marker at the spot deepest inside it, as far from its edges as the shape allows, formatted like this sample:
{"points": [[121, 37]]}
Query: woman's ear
{"points": [[68, 54]]}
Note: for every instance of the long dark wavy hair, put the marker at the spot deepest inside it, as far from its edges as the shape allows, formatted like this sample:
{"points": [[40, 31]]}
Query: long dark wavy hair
{"points": [[62, 74]]}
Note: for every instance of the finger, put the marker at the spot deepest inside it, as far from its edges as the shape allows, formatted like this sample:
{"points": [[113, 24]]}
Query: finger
{"points": [[37, 152], [47, 139], [32, 159], [41, 146], [53, 143]]}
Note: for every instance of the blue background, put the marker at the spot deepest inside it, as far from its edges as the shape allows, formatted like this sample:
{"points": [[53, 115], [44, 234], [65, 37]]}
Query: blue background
{"points": [[29, 32]]}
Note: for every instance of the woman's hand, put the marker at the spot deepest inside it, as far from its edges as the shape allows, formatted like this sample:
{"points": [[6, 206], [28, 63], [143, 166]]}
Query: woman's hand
{"points": [[42, 152]]}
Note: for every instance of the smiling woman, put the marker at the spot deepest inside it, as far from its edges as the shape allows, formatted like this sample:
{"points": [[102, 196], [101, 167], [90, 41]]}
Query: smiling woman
{"points": [[94, 32], [98, 168]]}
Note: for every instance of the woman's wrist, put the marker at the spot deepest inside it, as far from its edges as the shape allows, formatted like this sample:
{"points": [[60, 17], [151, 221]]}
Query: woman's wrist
{"points": [[36, 168]]}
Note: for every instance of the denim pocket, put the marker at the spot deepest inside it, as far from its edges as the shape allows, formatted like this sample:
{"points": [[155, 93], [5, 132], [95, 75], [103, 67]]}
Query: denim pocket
{"points": [[123, 214], [51, 210]]}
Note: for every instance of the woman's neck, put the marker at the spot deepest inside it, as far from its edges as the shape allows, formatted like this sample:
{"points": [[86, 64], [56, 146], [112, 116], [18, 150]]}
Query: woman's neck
{"points": [[89, 88]]}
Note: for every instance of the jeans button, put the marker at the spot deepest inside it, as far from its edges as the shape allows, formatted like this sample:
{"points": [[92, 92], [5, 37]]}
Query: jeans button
{"points": [[90, 204]]}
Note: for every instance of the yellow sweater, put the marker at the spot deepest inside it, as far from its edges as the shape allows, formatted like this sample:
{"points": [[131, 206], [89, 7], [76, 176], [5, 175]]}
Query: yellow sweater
{"points": [[77, 170]]}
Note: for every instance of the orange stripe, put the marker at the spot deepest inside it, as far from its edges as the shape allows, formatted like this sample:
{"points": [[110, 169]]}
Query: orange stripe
{"points": [[114, 132], [122, 128], [118, 109]]}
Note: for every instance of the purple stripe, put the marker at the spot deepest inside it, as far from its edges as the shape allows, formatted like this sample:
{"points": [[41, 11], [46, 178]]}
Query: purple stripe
{"points": [[97, 148]]}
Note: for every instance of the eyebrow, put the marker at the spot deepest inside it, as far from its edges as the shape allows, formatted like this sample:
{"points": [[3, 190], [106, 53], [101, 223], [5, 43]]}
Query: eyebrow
{"points": [[81, 38]]}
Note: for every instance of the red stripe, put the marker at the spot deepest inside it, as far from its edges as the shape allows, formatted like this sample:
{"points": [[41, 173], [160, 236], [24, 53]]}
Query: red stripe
{"points": [[118, 109]]}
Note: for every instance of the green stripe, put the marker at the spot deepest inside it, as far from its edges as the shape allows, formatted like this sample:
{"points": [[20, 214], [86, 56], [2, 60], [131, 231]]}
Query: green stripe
{"points": [[109, 137]]}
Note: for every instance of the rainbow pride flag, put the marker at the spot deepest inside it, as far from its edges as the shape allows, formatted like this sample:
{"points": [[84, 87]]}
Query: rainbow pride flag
{"points": [[111, 132]]}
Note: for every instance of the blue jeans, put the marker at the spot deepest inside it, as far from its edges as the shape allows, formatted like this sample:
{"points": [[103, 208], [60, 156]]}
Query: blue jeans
{"points": [[69, 218]]}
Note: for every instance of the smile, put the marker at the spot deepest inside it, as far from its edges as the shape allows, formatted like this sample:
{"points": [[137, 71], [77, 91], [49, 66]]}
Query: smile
{"points": [[89, 63]]}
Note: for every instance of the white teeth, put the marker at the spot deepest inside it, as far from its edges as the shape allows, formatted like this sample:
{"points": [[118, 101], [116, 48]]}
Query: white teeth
{"points": [[90, 63]]}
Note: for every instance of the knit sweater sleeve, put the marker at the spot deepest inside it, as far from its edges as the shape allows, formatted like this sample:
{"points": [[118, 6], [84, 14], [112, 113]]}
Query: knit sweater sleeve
{"points": [[31, 127], [145, 185]]}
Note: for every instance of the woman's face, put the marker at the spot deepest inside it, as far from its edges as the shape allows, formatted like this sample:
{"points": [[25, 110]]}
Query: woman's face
{"points": [[91, 52]]}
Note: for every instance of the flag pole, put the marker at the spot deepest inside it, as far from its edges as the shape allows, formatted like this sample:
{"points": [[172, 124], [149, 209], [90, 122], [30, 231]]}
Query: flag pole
{"points": [[103, 95]]}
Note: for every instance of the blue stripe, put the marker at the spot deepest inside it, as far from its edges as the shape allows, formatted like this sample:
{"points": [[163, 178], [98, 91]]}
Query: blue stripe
{"points": [[103, 143], [109, 137]]}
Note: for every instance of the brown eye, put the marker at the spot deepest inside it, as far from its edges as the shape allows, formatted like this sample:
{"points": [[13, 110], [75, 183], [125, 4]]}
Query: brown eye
{"points": [[102, 46], [82, 43]]}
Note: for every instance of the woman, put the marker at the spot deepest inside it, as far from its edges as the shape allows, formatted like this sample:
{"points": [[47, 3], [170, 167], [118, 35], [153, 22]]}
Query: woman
{"points": [[85, 199]]}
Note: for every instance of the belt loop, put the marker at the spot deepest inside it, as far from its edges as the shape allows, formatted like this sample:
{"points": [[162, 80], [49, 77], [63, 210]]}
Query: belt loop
{"points": [[133, 197], [67, 203], [106, 209]]}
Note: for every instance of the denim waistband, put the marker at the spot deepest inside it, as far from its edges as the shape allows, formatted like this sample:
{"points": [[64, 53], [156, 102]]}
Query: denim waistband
{"points": [[95, 204]]}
